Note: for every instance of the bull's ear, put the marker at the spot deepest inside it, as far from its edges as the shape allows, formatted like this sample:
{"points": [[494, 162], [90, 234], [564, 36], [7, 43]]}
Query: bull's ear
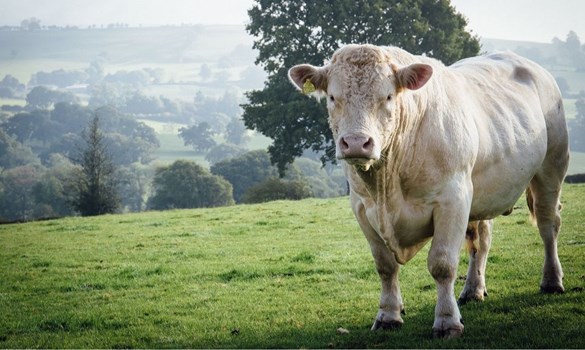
{"points": [[308, 78], [415, 76]]}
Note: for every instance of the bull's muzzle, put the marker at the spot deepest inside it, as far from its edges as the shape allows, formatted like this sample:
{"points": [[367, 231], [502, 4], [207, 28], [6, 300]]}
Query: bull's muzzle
{"points": [[357, 148]]}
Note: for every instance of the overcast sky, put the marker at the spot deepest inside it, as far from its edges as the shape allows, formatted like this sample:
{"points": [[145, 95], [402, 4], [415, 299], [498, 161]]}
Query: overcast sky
{"points": [[531, 20]]}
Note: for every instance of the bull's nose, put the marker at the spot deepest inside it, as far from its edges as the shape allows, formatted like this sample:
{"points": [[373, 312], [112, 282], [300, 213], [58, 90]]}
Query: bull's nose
{"points": [[356, 146]]}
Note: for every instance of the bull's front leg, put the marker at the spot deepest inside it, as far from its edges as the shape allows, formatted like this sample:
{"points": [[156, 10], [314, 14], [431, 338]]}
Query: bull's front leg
{"points": [[391, 306], [450, 222]]}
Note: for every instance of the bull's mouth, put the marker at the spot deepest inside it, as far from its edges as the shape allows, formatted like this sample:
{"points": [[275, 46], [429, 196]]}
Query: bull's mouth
{"points": [[362, 164]]}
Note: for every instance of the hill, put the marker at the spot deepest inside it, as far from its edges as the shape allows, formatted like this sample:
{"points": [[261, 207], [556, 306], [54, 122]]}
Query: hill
{"points": [[26, 52], [277, 275]]}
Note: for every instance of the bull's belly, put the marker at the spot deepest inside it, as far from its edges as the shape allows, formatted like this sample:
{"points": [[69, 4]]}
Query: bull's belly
{"points": [[489, 206], [497, 189]]}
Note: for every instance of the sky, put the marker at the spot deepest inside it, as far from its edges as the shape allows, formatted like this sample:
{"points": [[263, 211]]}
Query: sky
{"points": [[528, 20]]}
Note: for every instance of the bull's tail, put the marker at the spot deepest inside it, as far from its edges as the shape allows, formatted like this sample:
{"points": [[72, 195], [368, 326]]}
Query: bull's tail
{"points": [[530, 203]]}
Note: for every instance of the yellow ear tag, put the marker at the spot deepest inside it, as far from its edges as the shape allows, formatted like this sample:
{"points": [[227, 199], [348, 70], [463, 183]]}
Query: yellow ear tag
{"points": [[308, 87]]}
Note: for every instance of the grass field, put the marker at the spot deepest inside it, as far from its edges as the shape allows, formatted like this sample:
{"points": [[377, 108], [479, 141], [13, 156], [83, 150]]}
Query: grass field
{"points": [[276, 275]]}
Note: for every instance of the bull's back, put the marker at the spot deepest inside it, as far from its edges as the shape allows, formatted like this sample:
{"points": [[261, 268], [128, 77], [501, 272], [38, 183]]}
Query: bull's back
{"points": [[516, 109]]}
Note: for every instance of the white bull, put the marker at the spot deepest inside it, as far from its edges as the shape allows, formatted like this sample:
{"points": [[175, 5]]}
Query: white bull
{"points": [[434, 152]]}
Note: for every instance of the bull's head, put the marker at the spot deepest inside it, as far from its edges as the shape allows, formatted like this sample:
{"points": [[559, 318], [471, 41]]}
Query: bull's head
{"points": [[362, 86]]}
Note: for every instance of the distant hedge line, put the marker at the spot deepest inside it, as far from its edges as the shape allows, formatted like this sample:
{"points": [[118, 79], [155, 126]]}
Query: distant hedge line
{"points": [[575, 179]]}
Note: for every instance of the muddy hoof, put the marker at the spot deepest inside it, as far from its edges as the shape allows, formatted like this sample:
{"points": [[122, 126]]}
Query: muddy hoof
{"points": [[385, 325], [447, 333], [552, 289], [467, 297]]}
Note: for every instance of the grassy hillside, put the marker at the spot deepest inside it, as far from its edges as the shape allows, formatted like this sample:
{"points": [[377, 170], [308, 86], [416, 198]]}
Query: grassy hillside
{"points": [[282, 274]]}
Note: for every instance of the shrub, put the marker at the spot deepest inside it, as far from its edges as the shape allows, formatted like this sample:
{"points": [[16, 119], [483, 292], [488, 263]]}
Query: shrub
{"points": [[184, 184], [274, 188]]}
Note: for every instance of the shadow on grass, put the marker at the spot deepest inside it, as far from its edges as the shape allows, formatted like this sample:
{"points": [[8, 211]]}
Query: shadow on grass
{"points": [[530, 320], [524, 320]]}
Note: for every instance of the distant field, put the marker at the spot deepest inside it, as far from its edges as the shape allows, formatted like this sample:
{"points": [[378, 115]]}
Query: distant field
{"points": [[173, 148], [178, 50], [577, 163], [276, 275], [12, 102], [125, 45]]}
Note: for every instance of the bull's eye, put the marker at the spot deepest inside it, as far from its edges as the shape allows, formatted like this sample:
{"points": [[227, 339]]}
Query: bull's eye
{"points": [[331, 98], [389, 98]]}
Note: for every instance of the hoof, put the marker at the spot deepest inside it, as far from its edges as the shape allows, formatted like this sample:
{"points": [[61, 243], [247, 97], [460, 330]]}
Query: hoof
{"points": [[386, 325], [447, 333], [552, 289], [467, 297]]}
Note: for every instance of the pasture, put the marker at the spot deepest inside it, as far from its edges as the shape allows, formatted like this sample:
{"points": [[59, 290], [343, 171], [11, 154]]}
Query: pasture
{"points": [[276, 275]]}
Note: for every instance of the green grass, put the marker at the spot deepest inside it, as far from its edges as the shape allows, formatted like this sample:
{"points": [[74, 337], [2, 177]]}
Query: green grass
{"points": [[276, 275]]}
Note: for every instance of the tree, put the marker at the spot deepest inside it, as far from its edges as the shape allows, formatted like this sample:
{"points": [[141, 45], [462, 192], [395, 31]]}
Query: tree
{"points": [[236, 132], [274, 188], [61, 78], [11, 87], [135, 78], [577, 125], [205, 72], [31, 24], [223, 151], [41, 97], [28, 126], [200, 136], [576, 55], [134, 186], [322, 184], [94, 183], [95, 72], [13, 153], [184, 184], [309, 31], [51, 192], [16, 193], [245, 171]]}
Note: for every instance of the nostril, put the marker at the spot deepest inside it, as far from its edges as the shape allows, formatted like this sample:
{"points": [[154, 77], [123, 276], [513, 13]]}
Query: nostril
{"points": [[369, 144], [344, 145]]}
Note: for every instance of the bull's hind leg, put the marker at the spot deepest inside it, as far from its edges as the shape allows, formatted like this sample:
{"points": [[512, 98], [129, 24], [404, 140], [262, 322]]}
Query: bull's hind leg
{"points": [[479, 240], [543, 197]]}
